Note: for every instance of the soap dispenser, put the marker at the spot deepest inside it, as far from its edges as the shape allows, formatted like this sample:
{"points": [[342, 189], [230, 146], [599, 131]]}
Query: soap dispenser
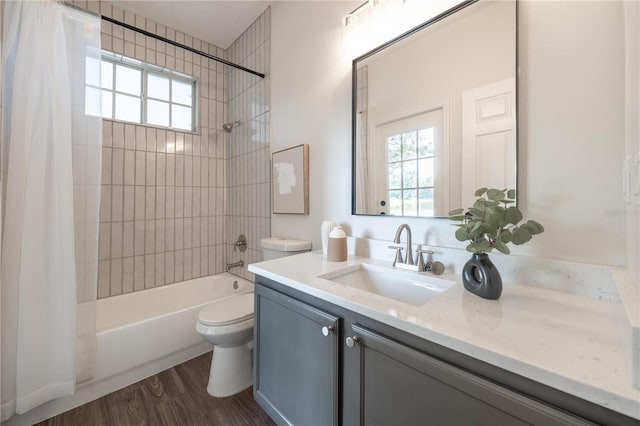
{"points": [[337, 249]]}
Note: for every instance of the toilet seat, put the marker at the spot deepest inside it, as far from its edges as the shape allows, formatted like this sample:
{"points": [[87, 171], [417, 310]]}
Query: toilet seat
{"points": [[227, 311]]}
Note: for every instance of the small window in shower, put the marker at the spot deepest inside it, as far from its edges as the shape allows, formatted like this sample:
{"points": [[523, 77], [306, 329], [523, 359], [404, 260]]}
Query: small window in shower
{"points": [[134, 91], [169, 101]]}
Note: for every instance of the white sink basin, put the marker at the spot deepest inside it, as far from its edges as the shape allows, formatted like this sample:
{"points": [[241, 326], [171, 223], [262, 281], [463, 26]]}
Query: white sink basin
{"points": [[409, 287]]}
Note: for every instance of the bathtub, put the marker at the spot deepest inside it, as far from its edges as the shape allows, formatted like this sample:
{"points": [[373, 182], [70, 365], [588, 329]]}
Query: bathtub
{"points": [[142, 333], [138, 328]]}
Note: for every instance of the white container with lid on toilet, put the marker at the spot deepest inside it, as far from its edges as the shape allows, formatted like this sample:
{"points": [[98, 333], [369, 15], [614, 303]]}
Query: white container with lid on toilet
{"points": [[228, 325], [275, 247]]}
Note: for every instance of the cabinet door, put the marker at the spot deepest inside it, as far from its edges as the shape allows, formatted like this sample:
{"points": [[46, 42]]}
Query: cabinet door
{"points": [[296, 360], [393, 384]]}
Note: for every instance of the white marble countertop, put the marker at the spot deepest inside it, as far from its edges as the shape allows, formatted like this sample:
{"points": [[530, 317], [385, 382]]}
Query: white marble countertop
{"points": [[570, 342]]}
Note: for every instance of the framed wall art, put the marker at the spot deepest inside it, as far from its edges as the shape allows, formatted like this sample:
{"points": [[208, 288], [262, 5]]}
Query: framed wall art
{"points": [[290, 180]]}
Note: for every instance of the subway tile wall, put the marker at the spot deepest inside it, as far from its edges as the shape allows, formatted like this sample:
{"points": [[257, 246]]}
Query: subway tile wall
{"points": [[162, 215], [248, 157]]}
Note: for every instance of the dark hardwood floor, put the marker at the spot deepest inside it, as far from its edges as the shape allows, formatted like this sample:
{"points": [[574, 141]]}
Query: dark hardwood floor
{"points": [[177, 396]]}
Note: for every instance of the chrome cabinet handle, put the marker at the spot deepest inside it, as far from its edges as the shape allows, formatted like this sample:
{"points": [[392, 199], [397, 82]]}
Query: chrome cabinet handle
{"points": [[326, 330], [351, 341]]}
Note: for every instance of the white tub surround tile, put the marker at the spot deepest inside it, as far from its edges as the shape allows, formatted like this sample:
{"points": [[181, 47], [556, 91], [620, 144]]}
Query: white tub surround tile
{"points": [[245, 146], [151, 174]]}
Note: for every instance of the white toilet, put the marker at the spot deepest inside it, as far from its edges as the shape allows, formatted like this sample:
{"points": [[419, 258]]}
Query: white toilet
{"points": [[228, 325]]}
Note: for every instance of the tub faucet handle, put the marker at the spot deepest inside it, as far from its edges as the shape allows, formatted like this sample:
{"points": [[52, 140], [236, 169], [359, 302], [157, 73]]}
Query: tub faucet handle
{"points": [[241, 243]]}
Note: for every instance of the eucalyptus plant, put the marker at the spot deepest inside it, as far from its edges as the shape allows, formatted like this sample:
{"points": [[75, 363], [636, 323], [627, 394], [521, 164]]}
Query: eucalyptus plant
{"points": [[492, 222]]}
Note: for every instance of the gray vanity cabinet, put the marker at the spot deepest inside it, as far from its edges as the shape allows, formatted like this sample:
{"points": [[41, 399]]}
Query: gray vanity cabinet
{"points": [[296, 357], [316, 363], [390, 383]]}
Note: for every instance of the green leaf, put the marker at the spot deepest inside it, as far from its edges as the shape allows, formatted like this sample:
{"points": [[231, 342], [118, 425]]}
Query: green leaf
{"points": [[513, 215], [478, 233], [537, 225], [480, 203], [455, 212], [493, 218], [476, 212], [511, 194], [504, 221], [471, 248], [520, 236], [501, 247], [481, 245], [480, 191], [532, 229], [462, 234], [495, 194], [461, 217], [476, 230], [505, 236]]}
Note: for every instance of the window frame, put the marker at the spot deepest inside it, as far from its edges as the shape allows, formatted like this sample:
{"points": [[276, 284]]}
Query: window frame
{"points": [[385, 124], [146, 69], [402, 162]]}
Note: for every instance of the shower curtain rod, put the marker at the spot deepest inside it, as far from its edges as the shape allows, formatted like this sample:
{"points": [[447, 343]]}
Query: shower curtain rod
{"points": [[182, 46]]}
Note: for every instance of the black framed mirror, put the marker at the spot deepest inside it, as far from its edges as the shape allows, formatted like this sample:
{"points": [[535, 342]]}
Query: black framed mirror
{"points": [[434, 113]]}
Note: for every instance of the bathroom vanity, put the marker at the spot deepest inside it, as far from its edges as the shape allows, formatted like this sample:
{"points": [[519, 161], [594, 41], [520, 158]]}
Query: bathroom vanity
{"points": [[326, 353]]}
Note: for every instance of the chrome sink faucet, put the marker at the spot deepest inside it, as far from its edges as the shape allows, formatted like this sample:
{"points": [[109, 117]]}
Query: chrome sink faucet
{"points": [[409, 259], [420, 265]]}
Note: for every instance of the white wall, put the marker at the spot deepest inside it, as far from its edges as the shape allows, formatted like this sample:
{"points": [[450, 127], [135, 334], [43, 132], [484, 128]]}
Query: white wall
{"points": [[632, 121], [571, 126]]}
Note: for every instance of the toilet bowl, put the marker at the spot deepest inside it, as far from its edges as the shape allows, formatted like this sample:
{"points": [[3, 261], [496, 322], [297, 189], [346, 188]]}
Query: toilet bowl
{"points": [[228, 325]]}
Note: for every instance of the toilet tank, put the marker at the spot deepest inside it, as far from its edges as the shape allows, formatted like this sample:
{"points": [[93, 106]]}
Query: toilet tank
{"points": [[275, 247]]}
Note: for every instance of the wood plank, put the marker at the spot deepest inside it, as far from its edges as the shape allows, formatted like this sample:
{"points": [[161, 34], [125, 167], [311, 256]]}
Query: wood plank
{"points": [[177, 396]]}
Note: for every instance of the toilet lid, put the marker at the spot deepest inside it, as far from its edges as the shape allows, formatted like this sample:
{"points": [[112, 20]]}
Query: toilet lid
{"points": [[227, 311]]}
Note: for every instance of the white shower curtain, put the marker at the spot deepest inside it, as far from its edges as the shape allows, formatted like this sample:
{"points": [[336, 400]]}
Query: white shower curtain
{"points": [[363, 150], [51, 167]]}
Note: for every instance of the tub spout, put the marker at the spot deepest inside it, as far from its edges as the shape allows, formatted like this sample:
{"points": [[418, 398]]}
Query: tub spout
{"points": [[238, 264]]}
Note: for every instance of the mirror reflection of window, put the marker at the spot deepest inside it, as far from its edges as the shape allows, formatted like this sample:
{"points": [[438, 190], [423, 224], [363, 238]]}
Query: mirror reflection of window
{"points": [[411, 173], [413, 182]]}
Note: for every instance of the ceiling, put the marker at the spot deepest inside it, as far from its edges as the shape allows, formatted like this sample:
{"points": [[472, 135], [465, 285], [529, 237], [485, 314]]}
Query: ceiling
{"points": [[219, 22]]}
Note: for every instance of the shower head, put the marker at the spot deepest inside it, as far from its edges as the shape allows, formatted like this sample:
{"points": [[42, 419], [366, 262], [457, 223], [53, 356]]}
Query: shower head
{"points": [[227, 127]]}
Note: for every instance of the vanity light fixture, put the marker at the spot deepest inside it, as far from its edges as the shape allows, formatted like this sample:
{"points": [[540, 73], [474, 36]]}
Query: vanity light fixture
{"points": [[350, 19]]}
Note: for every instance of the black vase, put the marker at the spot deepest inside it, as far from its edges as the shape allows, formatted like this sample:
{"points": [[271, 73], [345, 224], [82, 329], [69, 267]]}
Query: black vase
{"points": [[481, 277]]}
